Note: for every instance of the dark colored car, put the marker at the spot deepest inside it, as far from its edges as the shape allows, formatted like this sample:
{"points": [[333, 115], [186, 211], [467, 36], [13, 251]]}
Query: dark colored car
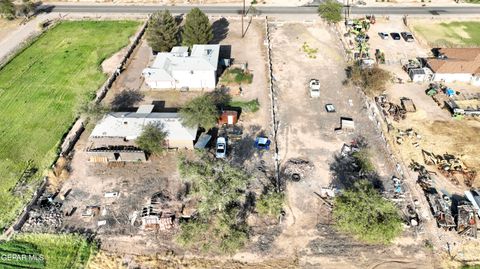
{"points": [[395, 36], [407, 36]]}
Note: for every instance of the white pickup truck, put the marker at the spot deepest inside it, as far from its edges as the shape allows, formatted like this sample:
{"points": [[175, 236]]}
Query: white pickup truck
{"points": [[314, 86]]}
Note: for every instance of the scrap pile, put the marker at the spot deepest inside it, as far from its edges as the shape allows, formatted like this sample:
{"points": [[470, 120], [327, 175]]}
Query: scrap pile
{"points": [[467, 220], [409, 134], [160, 213], [441, 211], [296, 169], [424, 176], [390, 109], [47, 216], [451, 167]]}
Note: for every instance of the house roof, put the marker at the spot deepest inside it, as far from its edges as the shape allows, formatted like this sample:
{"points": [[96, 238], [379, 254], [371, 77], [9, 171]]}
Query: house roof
{"points": [[129, 125], [456, 60], [202, 58]]}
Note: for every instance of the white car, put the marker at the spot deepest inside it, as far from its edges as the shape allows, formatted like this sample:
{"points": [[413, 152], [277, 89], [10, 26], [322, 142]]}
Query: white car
{"points": [[221, 149], [383, 35], [314, 88]]}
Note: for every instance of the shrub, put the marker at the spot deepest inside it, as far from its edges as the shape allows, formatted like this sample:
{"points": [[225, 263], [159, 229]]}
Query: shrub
{"points": [[270, 204], [365, 214]]}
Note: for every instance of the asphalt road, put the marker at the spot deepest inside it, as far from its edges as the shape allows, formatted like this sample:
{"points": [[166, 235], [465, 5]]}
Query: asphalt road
{"points": [[263, 10]]}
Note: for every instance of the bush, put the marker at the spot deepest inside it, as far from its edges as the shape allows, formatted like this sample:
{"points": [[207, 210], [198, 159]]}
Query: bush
{"points": [[270, 204], [365, 214], [237, 75], [246, 106], [362, 158], [372, 80]]}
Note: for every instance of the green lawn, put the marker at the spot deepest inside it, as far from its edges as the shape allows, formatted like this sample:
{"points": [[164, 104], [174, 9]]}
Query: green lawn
{"points": [[46, 251], [453, 34], [39, 90]]}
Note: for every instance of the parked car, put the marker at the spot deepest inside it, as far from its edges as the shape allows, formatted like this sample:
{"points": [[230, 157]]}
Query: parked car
{"points": [[407, 36], [395, 36], [314, 86], [383, 35], [221, 149]]}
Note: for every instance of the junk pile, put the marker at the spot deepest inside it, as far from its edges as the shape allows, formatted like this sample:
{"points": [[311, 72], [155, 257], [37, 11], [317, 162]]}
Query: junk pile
{"points": [[397, 112], [46, 216], [451, 167], [441, 210], [398, 188], [408, 134], [297, 169], [412, 215], [467, 220], [424, 176]]}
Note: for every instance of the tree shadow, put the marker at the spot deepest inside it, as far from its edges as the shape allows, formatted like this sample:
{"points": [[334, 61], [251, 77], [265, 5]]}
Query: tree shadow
{"points": [[126, 99], [346, 172], [244, 149], [220, 96], [220, 30]]}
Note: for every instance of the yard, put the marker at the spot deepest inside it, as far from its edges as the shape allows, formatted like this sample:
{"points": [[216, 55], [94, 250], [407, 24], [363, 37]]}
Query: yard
{"points": [[45, 251], [39, 90], [449, 34]]}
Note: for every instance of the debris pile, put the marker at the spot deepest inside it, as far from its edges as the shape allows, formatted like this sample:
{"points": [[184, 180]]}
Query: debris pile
{"points": [[441, 210], [297, 169], [45, 217], [451, 167], [424, 176], [388, 108], [409, 134], [467, 220]]}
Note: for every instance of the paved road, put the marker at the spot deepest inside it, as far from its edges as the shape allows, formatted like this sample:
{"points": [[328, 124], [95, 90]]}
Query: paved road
{"points": [[263, 10]]}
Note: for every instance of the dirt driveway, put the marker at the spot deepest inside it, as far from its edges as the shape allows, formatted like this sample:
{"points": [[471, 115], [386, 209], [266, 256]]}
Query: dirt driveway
{"points": [[306, 131]]}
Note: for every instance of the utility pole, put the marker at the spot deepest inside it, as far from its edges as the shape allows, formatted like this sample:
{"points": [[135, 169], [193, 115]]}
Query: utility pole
{"points": [[243, 15]]}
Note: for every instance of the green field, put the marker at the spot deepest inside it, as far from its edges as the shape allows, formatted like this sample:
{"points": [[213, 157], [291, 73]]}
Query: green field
{"points": [[45, 251], [452, 34], [39, 90]]}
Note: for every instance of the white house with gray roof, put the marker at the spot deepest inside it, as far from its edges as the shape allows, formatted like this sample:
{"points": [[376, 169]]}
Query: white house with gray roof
{"points": [[178, 69], [113, 138]]}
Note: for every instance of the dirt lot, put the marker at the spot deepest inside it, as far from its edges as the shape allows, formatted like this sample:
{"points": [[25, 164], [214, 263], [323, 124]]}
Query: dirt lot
{"points": [[307, 131]]}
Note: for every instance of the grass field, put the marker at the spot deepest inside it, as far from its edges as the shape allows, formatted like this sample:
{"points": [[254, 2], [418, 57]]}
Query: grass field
{"points": [[452, 34], [46, 251], [39, 90]]}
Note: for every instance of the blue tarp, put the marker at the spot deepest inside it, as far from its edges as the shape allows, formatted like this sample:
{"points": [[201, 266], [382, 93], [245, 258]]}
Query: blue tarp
{"points": [[450, 92]]}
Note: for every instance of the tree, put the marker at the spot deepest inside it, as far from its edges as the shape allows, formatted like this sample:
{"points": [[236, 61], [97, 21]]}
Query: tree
{"points": [[365, 214], [91, 112], [200, 111], [270, 204], [197, 28], [220, 189], [26, 8], [372, 80], [331, 11], [162, 31], [7, 9], [152, 138]]}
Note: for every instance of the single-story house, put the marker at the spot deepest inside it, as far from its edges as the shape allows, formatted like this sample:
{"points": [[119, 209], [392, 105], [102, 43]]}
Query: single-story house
{"points": [[177, 69], [113, 138], [456, 64]]}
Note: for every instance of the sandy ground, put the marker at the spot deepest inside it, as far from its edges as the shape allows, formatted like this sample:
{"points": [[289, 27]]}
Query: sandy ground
{"points": [[194, 2], [307, 131]]}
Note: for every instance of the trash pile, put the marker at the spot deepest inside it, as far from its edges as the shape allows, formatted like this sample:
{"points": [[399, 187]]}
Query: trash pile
{"points": [[424, 176], [466, 220], [441, 210], [409, 134], [388, 108], [45, 217], [451, 167], [297, 169]]}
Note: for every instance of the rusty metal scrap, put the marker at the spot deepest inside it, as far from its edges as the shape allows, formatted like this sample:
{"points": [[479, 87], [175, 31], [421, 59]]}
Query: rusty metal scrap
{"points": [[467, 220], [397, 112], [441, 211], [451, 167]]}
